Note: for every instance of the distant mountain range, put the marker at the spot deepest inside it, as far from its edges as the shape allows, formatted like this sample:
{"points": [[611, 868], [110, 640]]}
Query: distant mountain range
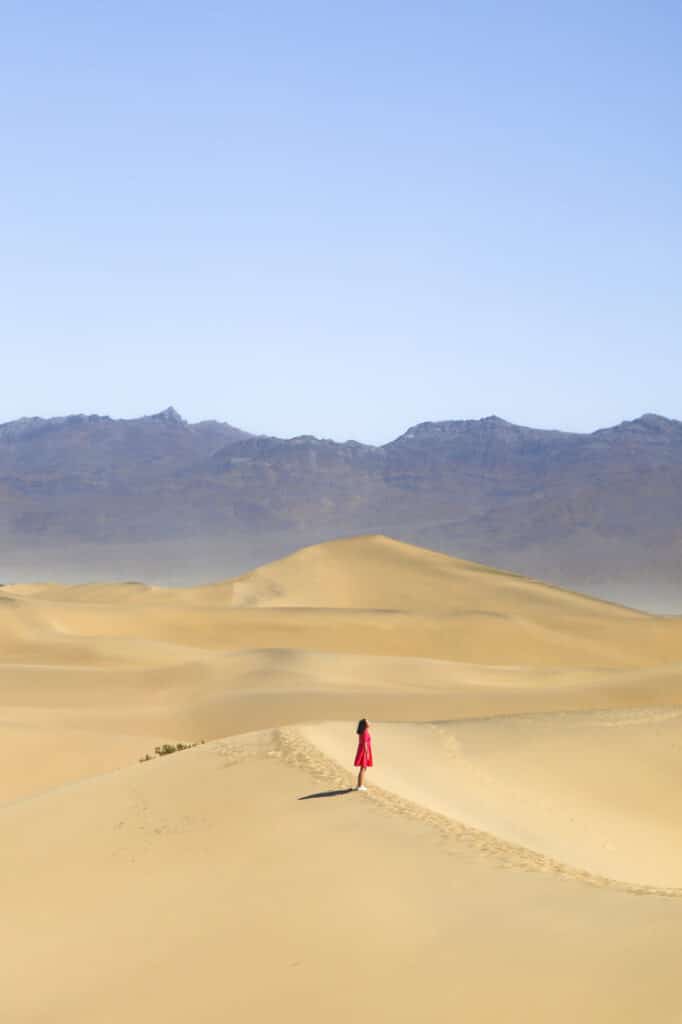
{"points": [[167, 500]]}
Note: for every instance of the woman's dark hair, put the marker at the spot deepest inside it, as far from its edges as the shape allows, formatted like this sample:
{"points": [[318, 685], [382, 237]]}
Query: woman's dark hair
{"points": [[362, 725]]}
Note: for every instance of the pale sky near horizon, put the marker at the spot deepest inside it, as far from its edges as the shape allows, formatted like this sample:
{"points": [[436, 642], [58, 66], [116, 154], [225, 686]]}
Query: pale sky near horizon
{"points": [[341, 219]]}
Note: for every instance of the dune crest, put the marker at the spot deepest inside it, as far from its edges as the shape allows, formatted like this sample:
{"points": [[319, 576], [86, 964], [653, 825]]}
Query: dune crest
{"points": [[378, 572], [558, 793], [522, 821]]}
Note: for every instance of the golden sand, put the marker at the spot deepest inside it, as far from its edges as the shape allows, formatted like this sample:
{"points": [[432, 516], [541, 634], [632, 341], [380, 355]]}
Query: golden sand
{"points": [[516, 858]]}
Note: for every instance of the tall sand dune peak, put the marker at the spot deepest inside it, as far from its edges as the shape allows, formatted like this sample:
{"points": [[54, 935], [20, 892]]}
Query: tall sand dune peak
{"points": [[377, 572]]}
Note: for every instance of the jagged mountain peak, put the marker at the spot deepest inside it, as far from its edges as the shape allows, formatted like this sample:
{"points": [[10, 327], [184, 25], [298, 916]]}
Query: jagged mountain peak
{"points": [[602, 502], [169, 415]]}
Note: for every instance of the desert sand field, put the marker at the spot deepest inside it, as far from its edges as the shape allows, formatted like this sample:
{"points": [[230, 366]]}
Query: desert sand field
{"points": [[517, 858]]}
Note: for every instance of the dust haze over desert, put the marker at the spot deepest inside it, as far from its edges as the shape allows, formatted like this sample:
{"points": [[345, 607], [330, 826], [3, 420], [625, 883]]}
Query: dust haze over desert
{"points": [[341, 361], [169, 501]]}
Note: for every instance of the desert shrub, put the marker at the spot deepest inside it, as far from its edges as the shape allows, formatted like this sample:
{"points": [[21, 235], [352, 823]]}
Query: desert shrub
{"points": [[169, 748]]}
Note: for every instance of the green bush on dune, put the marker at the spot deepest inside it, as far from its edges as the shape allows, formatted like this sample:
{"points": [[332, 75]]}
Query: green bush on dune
{"points": [[169, 748]]}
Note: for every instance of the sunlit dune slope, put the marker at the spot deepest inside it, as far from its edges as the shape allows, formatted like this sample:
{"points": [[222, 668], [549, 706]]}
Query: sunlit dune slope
{"points": [[365, 625], [376, 572], [515, 858], [366, 595], [201, 886], [372, 573], [61, 723], [594, 792]]}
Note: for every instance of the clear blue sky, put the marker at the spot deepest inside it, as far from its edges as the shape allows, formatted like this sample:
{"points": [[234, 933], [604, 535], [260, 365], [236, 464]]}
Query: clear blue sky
{"points": [[341, 219]]}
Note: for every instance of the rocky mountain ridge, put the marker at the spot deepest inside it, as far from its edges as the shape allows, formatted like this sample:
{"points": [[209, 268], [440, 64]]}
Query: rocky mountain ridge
{"points": [[579, 509]]}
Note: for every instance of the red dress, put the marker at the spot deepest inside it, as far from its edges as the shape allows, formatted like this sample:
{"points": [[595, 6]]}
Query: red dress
{"points": [[363, 758]]}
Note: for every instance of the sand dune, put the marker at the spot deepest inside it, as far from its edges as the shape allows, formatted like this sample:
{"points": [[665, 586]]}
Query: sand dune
{"points": [[202, 885], [517, 856], [563, 786], [379, 572], [366, 595]]}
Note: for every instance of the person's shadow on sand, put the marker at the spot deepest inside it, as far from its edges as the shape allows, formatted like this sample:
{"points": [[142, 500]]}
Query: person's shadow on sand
{"points": [[329, 792]]}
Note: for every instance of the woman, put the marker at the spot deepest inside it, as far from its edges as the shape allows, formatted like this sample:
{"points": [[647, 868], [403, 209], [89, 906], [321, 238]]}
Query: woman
{"points": [[363, 758]]}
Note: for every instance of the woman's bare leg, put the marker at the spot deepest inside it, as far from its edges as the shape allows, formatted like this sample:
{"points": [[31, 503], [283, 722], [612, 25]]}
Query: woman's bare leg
{"points": [[361, 777]]}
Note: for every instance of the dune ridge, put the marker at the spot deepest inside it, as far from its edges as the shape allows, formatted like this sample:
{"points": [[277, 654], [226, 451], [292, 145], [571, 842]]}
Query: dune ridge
{"points": [[522, 821], [635, 852]]}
